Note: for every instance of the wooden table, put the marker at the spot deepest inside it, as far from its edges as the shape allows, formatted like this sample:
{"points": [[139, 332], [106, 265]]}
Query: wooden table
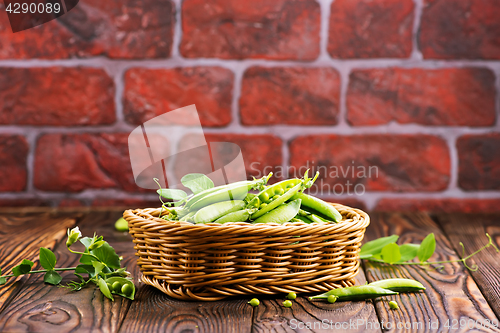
{"points": [[455, 297]]}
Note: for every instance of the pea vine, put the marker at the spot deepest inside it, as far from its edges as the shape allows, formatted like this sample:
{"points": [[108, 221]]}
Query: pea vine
{"points": [[98, 261], [385, 250]]}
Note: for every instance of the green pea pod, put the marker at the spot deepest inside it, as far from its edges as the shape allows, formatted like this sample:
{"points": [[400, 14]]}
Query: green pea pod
{"points": [[233, 192], [281, 214], [238, 216], [399, 285], [318, 205], [302, 219], [217, 210], [276, 202], [188, 217], [356, 293], [224, 189]]}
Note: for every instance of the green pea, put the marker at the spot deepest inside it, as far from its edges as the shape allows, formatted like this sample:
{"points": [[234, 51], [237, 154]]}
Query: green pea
{"points": [[263, 205], [264, 197], [287, 304], [279, 191], [127, 289], [117, 286], [254, 302], [276, 197], [393, 305], [291, 295], [121, 224], [332, 299]]}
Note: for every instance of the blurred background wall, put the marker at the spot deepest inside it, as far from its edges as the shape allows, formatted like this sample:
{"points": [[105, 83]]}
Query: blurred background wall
{"points": [[409, 86]]}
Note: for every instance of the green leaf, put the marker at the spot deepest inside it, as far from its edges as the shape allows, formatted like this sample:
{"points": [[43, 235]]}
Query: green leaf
{"points": [[427, 248], [98, 267], [107, 255], [375, 246], [172, 194], [197, 182], [87, 259], [85, 269], [104, 288], [390, 253], [408, 252], [47, 259], [23, 268], [2, 280], [86, 241], [52, 277]]}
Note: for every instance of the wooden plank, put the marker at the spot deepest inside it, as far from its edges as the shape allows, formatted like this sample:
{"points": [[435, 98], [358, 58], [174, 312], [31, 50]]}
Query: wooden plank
{"points": [[451, 299], [471, 231], [153, 311], [21, 238], [44, 308], [315, 316]]}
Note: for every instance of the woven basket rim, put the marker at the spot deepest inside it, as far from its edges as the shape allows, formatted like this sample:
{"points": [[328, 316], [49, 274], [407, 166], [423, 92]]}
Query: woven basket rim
{"points": [[151, 220]]}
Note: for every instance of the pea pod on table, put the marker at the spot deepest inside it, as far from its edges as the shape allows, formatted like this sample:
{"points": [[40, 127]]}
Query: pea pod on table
{"points": [[355, 293], [399, 285]]}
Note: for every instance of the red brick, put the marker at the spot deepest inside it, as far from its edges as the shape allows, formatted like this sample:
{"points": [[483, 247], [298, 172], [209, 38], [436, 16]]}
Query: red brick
{"points": [[235, 29], [75, 162], [69, 203], [479, 162], [445, 205], [13, 155], [118, 29], [371, 29], [151, 92], [288, 95], [446, 97], [57, 96], [403, 163], [262, 153], [465, 29]]}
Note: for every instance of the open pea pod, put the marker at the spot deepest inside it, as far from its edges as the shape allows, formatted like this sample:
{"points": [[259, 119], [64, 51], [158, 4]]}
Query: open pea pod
{"points": [[271, 202], [121, 286]]}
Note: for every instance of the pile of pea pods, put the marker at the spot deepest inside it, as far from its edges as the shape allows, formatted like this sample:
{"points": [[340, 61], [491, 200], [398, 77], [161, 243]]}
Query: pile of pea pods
{"points": [[278, 203]]}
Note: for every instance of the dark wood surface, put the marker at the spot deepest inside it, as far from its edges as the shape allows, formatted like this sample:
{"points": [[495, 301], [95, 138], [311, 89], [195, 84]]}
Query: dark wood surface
{"points": [[456, 299]]}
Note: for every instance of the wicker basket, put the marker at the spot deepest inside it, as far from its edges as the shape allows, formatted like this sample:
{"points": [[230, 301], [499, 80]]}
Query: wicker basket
{"points": [[212, 261]]}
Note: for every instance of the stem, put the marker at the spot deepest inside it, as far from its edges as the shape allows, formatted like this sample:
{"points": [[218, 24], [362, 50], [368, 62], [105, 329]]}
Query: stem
{"points": [[45, 271]]}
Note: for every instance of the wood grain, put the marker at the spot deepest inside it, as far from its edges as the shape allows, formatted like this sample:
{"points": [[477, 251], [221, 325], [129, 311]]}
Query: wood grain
{"points": [[451, 294], [315, 316], [45, 308], [21, 238], [153, 311], [471, 231]]}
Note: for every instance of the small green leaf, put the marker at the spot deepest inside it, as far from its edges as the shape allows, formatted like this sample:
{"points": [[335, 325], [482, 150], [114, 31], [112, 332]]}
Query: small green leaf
{"points": [[86, 241], [408, 252], [375, 246], [2, 280], [197, 182], [172, 194], [104, 288], [85, 269], [47, 259], [427, 248], [87, 259], [98, 267], [52, 277], [23, 268], [390, 253], [107, 255]]}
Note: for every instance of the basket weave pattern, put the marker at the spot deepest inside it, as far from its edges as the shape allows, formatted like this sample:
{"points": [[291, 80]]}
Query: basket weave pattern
{"points": [[213, 261]]}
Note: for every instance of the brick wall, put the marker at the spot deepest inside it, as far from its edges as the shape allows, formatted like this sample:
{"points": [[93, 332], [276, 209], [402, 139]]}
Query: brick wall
{"points": [[411, 87]]}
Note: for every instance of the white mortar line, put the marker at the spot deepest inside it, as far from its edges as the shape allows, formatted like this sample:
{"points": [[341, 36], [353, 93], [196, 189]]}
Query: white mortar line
{"points": [[416, 54]]}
